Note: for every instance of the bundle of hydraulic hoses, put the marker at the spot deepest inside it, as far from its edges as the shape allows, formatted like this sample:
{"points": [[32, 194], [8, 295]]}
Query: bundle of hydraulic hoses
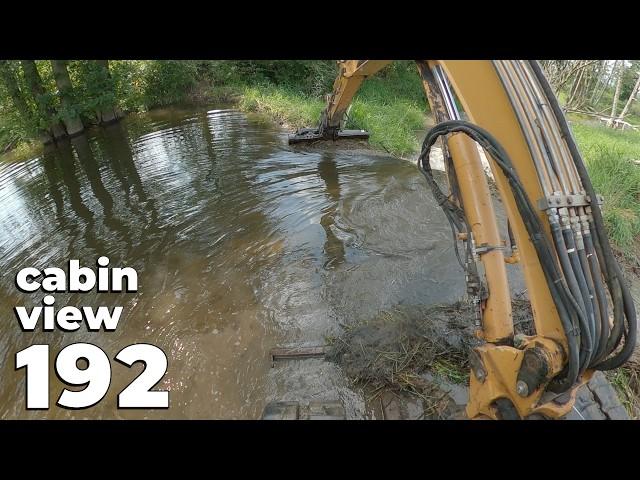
{"points": [[577, 260]]}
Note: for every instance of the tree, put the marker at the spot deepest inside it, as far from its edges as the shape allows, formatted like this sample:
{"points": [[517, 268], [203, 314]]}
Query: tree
{"points": [[634, 94], [70, 117], [46, 111], [11, 84], [604, 83], [616, 95], [106, 108]]}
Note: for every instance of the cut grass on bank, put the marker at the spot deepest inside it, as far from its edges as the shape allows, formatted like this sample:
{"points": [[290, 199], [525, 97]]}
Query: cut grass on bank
{"points": [[611, 157], [391, 107], [393, 111]]}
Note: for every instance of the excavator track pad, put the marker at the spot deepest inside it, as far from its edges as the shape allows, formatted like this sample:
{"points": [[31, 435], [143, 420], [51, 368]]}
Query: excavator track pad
{"points": [[327, 410]]}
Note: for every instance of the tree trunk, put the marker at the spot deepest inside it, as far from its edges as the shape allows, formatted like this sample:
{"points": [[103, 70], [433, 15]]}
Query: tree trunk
{"points": [[575, 88], [45, 110], [616, 95], [108, 113], [11, 84], [71, 119], [605, 84], [632, 97]]}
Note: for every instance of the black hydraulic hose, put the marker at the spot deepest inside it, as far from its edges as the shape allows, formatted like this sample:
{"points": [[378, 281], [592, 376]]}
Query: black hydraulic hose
{"points": [[586, 269], [566, 305], [586, 339], [622, 302], [615, 334], [572, 251], [601, 295], [629, 334]]}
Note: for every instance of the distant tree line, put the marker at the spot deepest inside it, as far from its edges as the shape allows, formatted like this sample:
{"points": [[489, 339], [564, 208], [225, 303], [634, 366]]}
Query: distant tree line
{"points": [[606, 88], [47, 100]]}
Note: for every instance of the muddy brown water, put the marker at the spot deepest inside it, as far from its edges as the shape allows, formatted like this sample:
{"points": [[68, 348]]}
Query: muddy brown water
{"points": [[241, 243]]}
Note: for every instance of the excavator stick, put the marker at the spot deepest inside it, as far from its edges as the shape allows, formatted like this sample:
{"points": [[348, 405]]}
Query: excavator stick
{"points": [[582, 309], [351, 75]]}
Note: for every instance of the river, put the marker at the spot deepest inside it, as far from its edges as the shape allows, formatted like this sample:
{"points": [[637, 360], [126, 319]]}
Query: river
{"points": [[241, 243]]}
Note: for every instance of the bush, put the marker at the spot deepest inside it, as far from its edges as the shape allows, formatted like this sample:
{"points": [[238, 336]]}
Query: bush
{"points": [[168, 81], [609, 155]]}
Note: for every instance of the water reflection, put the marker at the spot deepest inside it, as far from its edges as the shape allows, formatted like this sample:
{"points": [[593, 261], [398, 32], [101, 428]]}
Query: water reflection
{"points": [[333, 247], [240, 244]]}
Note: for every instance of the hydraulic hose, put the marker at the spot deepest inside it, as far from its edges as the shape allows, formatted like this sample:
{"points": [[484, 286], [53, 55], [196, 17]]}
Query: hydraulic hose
{"points": [[597, 328], [566, 305], [584, 300], [601, 295], [586, 340], [624, 313]]}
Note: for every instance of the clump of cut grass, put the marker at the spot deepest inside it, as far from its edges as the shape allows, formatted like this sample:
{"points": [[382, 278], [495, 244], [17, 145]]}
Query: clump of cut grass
{"points": [[408, 350], [626, 381], [415, 350], [396, 348]]}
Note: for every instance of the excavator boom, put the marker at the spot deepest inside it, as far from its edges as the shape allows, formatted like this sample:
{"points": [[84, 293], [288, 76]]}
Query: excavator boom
{"points": [[352, 74], [505, 112]]}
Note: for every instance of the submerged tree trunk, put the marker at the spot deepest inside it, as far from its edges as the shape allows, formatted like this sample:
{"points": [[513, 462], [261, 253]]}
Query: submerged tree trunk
{"points": [[632, 97], [45, 110], [71, 119], [109, 112]]}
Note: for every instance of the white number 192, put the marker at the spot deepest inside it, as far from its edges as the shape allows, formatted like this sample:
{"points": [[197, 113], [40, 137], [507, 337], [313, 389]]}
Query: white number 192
{"points": [[95, 376]]}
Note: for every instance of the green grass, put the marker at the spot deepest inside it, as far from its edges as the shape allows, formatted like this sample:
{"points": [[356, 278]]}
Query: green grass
{"points": [[454, 372], [284, 104], [609, 155], [391, 107], [626, 382]]}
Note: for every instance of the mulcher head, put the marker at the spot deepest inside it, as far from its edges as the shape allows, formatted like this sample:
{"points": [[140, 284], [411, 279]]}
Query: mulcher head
{"points": [[314, 134]]}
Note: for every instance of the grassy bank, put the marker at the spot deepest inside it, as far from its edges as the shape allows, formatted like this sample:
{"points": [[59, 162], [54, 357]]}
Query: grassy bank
{"points": [[610, 156], [390, 106]]}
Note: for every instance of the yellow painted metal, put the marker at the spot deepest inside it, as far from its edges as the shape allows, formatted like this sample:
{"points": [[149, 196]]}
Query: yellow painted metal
{"points": [[497, 324], [502, 365], [478, 87], [476, 198], [352, 74], [485, 101]]}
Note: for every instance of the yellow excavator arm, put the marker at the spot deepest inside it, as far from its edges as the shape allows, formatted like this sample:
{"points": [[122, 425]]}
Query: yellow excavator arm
{"points": [[583, 314]]}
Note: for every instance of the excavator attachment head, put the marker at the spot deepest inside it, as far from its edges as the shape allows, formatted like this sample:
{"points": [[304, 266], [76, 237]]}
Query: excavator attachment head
{"points": [[307, 135]]}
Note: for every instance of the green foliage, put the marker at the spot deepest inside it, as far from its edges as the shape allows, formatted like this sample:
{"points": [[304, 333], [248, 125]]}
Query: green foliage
{"points": [[14, 125], [610, 156], [285, 104], [93, 88], [629, 80], [311, 77], [12, 129], [392, 108], [391, 105], [168, 81], [626, 381], [129, 84]]}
